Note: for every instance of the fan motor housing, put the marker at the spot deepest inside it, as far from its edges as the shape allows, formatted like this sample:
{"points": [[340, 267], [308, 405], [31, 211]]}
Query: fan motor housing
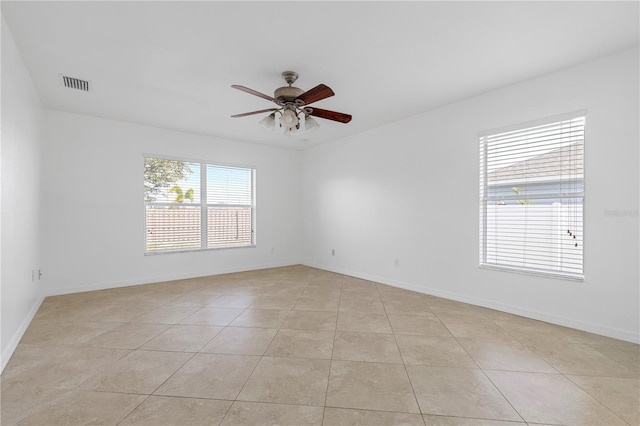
{"points": [[287, 93]]}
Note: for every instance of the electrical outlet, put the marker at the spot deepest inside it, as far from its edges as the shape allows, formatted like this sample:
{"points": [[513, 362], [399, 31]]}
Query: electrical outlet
{"points": [[39, 274], [396, 263], [333, 252]]}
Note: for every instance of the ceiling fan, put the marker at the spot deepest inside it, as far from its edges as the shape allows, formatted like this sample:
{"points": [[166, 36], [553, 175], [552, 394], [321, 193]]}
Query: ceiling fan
{"points": [[293, 106]]}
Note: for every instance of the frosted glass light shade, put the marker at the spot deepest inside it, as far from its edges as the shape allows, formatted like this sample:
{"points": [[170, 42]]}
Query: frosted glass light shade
{"points": [[310, 124], [269, 122], [290, 131], [289, 118]]}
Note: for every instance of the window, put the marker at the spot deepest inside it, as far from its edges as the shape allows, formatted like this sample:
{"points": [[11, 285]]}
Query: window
{"points": [[194, 205], [531, 197]]}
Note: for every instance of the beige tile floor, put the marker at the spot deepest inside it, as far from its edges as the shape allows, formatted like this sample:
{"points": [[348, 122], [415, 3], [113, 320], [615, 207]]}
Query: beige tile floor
{"points": [[302, 346]]}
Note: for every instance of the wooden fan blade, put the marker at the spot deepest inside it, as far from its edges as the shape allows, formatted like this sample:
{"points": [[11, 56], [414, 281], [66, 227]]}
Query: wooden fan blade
{"points": [[255, 112], [330, 115], [256, 93], [314, 95]]}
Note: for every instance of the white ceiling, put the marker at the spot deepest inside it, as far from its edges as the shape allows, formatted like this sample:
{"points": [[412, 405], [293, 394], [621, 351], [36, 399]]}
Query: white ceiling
{"points": [[171, 64]]}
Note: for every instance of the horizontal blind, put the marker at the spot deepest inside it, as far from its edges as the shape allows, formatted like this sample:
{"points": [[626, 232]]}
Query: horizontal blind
{"points": [[229, 185], [195, 205], [229, 206], [172, 205], [172, 228], [229, 226], [531, 198]]}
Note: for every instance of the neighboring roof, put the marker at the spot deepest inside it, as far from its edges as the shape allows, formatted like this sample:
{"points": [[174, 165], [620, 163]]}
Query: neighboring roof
{"points": [[567, 161]]}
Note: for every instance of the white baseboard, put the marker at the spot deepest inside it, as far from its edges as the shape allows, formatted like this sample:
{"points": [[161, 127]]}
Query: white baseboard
{"points": [[17, 336], [612, 332], [157, 279]]}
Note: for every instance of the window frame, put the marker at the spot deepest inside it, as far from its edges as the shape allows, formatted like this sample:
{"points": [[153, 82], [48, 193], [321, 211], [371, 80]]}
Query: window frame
{"points": [[203, 206], [484, 198]]}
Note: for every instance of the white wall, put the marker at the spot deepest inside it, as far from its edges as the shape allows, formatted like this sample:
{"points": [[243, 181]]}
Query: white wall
{"points": [[409, 191], [72, 201], [20, 205], [93, 204]]}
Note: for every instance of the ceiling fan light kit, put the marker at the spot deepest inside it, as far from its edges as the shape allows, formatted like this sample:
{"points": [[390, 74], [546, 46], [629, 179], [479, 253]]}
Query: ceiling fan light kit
{"points": [[292, 102], [269, 122], [310, 124], [289, 117]]}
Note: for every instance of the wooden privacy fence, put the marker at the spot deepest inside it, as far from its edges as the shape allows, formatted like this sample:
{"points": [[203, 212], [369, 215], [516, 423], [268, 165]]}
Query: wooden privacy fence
{"points": [[535, 236], [178, 228]]}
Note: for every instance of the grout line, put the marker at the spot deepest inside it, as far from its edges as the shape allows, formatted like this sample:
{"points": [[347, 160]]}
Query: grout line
{"points": [[456, 338], [253, 289], [259, 360], [176, 370], [503, 396], [134, 409], [404, 365], [235, 399], [335, 331], [596, 399]]}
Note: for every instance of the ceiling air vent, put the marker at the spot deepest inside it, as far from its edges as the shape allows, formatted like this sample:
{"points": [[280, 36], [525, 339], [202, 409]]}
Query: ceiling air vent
{"points": [[74, 83]]}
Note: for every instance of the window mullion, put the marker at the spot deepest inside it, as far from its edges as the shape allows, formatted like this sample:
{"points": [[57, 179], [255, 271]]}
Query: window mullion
{"points": [[204, 232], [253, 206], [483, 195]]}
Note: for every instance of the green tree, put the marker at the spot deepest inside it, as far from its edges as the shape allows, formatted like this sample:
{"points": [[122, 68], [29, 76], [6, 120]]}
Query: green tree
{"points": [[160, 174], [181, 195], [518, 190]]}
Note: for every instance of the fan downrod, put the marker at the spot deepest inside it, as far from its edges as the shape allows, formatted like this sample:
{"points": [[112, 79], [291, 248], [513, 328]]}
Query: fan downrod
{"points": [[290, 77]]}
